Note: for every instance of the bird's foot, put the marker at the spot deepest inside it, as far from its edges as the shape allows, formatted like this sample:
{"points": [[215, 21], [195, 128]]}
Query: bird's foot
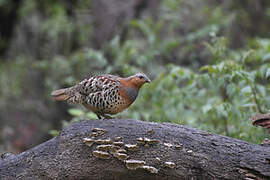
{"points": [[99, 116], [107, 116]]}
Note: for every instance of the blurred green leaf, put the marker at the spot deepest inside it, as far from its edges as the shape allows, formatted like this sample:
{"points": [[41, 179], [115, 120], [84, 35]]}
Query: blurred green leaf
{"points": [[266, 57], [91, 115], [206, 108], [267, 74], [75, 112], [54, 133], [246, 89]]}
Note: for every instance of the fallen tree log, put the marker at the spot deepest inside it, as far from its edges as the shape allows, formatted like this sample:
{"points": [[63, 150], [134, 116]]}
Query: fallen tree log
{"points": [[131, 149]]}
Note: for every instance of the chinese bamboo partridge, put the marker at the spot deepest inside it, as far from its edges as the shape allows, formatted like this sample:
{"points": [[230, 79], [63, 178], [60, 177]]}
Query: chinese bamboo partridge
{"points": [[104, 94]]}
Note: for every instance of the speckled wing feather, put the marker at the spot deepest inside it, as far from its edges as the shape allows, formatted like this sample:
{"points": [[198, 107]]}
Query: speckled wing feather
{"points": [[98, 93], [97, 83]]}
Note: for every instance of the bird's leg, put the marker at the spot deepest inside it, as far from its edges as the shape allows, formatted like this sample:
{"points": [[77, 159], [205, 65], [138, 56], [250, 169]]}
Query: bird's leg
{"points": [[98, 115], [106, 116]]}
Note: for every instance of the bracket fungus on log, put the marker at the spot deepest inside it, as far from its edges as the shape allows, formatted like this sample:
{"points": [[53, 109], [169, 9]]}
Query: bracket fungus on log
{"points": [[170, 164], [202, 155], [101, 154], [261, 120]]}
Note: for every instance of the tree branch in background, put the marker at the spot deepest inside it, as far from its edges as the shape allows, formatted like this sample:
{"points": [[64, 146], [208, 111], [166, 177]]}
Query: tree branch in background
{"points": [[254, 92]]}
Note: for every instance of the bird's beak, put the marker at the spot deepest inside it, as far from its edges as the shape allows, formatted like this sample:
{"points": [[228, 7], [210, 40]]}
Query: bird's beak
{"points": [[147, 80]]}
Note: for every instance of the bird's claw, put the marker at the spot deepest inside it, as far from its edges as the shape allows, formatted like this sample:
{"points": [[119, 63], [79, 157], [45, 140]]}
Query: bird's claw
{"points": [[104, 116], [107, 116]]}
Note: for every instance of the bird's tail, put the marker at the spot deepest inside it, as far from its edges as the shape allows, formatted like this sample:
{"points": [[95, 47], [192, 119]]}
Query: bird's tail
{"points": [[61, 94]]}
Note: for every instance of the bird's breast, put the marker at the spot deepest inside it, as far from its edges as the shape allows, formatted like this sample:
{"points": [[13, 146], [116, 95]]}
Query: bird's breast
{"points": [[130, 93]]}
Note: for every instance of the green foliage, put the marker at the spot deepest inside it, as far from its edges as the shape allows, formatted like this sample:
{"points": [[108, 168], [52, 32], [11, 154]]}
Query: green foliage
{"points": [[220, 98], [197, 79], [11, 84]]}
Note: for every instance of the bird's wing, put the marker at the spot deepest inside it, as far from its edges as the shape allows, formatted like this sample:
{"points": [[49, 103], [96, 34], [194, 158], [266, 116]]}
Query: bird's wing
{"points": [[97, 83]]}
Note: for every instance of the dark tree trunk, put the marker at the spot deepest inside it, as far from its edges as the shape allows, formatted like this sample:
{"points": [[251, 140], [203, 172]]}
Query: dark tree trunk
{"points": [[8, 20], [196, 154], [112, 17]]}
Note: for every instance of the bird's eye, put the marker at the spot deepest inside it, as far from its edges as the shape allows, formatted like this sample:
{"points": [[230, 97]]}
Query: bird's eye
{"points": [[141, 77]]}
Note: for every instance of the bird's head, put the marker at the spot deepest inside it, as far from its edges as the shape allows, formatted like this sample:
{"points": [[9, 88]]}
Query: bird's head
{"points": [[138, 79]]}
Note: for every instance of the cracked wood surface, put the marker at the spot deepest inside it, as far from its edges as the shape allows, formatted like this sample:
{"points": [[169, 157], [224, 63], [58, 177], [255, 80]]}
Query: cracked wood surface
{"points": [[179, 152]]}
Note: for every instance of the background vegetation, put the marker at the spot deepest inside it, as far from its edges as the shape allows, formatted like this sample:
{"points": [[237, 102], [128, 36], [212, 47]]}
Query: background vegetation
{"points": [[208, 61]]}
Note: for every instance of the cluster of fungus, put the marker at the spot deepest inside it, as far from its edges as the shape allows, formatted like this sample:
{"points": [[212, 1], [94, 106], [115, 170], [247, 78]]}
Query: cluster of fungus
{"points": [[137, 164], [170, 164], [176, 146], [107, 148], [101, 154], [146, 141], [97, 132]]}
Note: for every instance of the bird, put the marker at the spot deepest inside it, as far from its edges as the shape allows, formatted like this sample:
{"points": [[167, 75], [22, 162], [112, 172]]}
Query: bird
{"points": [[104, 94]]}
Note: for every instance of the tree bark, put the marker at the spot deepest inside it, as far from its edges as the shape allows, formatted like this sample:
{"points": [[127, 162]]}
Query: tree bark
{"points": [[173, 152]]}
